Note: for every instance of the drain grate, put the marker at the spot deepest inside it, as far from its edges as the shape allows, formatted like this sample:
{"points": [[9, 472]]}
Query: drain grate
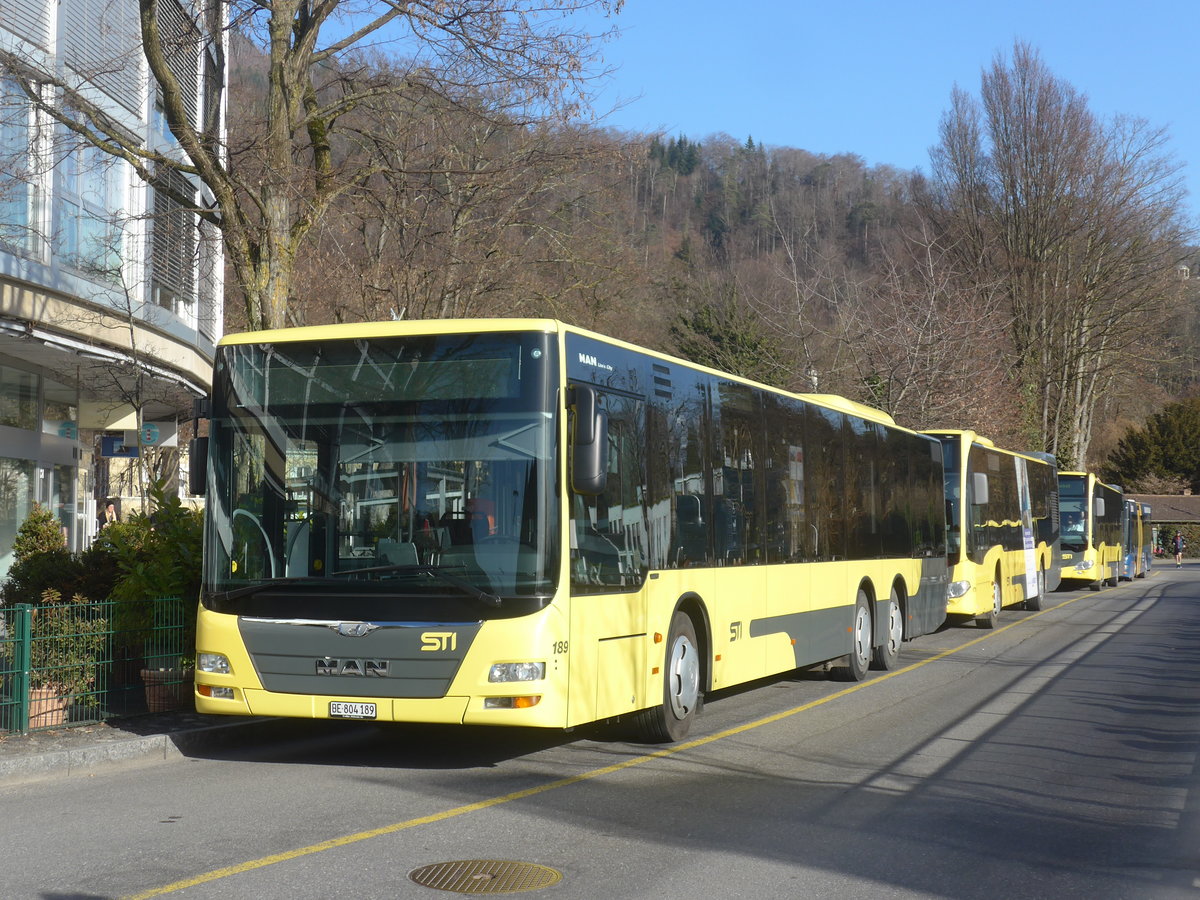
{"points": [[485, 876]]}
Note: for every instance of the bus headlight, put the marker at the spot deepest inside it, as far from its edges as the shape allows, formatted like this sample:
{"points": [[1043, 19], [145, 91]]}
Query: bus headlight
{"points": [[958, 589], [524, 671], [214, 663], [1085, 565]]}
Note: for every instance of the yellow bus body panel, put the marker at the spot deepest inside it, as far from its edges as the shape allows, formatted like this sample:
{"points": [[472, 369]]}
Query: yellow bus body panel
{"points": [[1105, 565], [539, 637], [977, 601]]}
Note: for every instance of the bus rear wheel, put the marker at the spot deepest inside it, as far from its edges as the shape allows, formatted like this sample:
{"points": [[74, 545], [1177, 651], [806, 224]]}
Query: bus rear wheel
{"points": [[1033, 604], [681, 695], [887, 654], [854, 665]]}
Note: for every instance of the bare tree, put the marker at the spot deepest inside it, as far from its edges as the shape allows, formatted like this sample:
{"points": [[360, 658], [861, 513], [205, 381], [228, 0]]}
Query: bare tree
{"points": [[467, 216], [1081, 220], [300, 149], [908, 332]]}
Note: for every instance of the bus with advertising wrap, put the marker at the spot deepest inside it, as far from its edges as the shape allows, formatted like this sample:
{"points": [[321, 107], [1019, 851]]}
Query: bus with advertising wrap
{"points": [[517, 522], [1137, 540], [1002, 527], [1091, 529]]}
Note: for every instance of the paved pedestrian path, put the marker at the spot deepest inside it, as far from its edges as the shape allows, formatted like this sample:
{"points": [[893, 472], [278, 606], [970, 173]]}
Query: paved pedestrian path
{"points": [[63, 752]]}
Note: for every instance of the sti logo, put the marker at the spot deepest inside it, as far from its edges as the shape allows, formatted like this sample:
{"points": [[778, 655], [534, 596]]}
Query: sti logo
{"points": [[588, 360], [439, 641]]}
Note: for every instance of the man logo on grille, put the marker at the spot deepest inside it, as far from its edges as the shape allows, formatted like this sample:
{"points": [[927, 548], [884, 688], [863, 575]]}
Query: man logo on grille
{"points": [[362, 668]]}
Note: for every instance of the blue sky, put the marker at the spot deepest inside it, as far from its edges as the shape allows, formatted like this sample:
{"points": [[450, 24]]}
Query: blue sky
{"points": [[873, 78]]}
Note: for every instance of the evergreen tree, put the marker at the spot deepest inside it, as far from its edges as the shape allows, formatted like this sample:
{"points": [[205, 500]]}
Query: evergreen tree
{"points": [[1167, 447], [721, 335], [40, 558]]}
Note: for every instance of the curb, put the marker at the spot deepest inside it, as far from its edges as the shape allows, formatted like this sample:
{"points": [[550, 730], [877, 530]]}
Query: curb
{"points": [[99, 753]]}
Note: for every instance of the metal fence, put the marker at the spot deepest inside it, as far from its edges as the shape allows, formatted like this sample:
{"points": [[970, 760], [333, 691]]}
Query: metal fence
{"points": [[78, 663]]}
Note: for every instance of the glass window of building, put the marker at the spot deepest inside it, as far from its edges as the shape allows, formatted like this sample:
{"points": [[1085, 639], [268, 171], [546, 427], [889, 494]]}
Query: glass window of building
{"points": [[18, 399], [89, 211], [173, 242], [60, 410], [19, 194], [18, 487]]}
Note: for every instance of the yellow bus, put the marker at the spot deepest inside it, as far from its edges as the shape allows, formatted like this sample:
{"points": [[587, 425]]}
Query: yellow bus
{"points": [[1091, 529], [1136, 540], [517, 522], [1003, 528]]}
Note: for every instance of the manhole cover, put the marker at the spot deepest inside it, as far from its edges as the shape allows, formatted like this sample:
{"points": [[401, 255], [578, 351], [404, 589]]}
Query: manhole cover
{"points": [[485, 876]]}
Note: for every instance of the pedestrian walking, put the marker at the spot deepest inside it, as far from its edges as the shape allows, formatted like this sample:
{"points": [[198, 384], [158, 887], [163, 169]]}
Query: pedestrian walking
{"points": [[1177, 544]]}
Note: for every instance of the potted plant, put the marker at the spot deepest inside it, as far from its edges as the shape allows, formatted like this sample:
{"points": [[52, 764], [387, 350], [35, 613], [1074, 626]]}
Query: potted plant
{"points": [[169, 671], [65, 654]]}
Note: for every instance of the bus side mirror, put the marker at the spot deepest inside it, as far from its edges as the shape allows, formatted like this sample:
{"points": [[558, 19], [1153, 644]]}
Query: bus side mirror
{"points": [[1099, 507], [589, 442], [979, 486], [198, 448], [197, 466]]}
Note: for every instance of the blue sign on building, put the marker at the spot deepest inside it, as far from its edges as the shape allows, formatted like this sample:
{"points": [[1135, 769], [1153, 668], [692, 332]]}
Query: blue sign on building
{"points": [[113, 446]]}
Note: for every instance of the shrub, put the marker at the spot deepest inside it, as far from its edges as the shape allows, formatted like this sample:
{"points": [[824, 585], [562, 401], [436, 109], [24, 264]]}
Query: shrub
{"points": [[41, 560], [69, 640], [154, 555], [133, 563]]}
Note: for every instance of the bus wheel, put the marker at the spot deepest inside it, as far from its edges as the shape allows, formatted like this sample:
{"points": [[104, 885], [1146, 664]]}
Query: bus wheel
{"points": [[1033, 604], [681, 698], [989, 620], [858, 660], [887, 654]]}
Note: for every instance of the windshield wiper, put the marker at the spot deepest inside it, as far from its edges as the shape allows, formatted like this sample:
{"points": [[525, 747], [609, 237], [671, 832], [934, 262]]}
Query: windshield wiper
{"points": [[438, 572], [251, 589]]}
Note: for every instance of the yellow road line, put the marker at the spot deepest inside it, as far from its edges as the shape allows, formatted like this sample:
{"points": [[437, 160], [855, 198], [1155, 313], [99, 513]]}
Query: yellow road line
{"points": [[346, 840]]}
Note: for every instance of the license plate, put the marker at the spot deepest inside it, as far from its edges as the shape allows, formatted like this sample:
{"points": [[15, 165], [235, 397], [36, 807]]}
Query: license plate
{"points": [[340, 710]]}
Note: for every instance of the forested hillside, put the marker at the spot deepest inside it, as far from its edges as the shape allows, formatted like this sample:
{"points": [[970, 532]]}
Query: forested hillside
{"points": [[1042, 304]]}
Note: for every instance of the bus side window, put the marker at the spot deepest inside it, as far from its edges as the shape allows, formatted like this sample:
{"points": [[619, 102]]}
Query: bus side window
{"points": [[608, 530]]}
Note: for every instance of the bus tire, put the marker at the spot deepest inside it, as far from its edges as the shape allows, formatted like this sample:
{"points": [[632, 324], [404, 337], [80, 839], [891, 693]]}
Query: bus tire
{"points": [[1033, 604], [681, 693], [854, 665], [988, 620], [887, 654]]}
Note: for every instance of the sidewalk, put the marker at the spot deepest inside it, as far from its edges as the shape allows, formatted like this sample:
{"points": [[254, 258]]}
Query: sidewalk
{"points": [[62, 752]]}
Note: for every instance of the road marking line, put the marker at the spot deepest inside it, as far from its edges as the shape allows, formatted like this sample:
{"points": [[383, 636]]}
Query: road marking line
{"points": [[346, 840]]}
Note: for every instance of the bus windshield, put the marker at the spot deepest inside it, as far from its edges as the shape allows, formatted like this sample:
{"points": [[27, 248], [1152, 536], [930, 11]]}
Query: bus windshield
{"points": [[953, 475], [1073, 508], [382, 478]]}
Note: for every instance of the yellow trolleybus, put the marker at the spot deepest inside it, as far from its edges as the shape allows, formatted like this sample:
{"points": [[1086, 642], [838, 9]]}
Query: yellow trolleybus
{"points": [[1002, 527], [516, 522], [1091, 529]]}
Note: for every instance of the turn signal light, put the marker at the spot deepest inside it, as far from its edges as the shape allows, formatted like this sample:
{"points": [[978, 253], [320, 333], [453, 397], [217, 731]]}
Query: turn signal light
{"points": [[217, 693], [511, 702]]}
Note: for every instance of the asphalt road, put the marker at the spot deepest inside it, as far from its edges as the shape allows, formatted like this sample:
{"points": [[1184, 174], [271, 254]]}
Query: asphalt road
{"points": [[1054, 757]]}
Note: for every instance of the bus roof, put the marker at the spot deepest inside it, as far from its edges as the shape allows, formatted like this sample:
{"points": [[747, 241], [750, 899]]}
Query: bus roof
{"points": [[390, 328], [413, 327], [976, 438]]}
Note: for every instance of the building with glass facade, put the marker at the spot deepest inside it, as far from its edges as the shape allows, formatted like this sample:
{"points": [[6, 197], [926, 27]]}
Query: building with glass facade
{"points": [[110, 287]]}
